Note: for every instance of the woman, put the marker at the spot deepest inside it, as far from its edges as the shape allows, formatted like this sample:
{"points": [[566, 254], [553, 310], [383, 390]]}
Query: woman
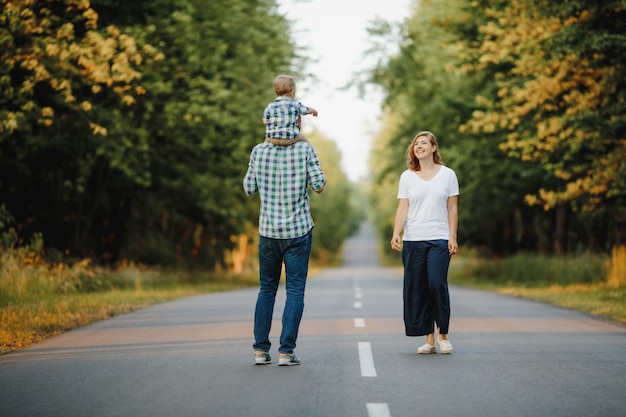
{"points": [[428, 213]]}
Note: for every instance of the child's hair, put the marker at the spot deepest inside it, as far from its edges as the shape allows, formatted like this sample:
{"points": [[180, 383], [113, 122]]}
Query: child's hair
{"points": [[284, 84]]}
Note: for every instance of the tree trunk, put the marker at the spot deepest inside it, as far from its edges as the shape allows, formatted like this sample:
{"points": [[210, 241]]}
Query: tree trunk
{"points": [[559, 237]]}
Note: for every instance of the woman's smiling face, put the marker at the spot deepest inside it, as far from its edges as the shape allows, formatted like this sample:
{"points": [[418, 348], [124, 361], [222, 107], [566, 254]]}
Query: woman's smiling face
{"points": [[423, 148]]}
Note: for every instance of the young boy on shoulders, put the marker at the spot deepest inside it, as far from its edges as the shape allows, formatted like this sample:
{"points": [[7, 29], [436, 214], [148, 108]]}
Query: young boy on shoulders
{"points": [[282, 117]]}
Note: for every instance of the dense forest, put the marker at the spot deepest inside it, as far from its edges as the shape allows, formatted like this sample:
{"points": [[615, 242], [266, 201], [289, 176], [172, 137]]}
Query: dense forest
{"points": [[528, 101], [126, 127]]}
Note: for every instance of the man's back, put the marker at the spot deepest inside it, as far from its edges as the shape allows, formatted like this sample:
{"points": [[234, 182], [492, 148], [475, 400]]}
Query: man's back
{"points": [[281, 175]]}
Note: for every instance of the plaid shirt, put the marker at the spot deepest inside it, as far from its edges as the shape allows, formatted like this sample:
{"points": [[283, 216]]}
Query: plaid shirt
{"points": [[281, 175], [281, 116]]}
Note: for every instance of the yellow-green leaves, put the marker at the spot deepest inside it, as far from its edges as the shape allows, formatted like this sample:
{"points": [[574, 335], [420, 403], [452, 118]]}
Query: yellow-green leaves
{"points": [[66, 54], [528, 99], [548, 93]]}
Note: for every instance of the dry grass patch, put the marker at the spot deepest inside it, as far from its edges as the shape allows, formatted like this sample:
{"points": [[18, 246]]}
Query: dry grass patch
{"points": [[40, 299], [30, 322], [601, 299]]}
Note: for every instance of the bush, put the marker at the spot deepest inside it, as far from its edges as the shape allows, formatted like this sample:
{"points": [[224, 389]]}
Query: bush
{"points": [[533, 270]]}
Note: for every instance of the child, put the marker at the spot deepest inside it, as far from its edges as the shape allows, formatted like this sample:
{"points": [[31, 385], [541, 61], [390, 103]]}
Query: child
{"points": [[282, 116]]}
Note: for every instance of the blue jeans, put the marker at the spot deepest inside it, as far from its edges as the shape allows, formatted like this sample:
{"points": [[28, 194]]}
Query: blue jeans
{"points": [[426, 296], [295, 255]]}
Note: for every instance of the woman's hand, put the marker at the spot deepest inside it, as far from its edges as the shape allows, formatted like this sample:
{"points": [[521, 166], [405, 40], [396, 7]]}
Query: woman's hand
{"points": [[398, 224], [453, 247], [396, 243]]}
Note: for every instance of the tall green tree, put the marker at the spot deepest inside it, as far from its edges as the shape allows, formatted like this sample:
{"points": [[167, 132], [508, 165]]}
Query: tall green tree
{"points": [[559, 102], [201, 118], [116, 148], [527, 99], [58, 72], [427, 89]]}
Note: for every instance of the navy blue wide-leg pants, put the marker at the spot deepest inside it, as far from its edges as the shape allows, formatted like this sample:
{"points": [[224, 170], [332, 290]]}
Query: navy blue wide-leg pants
{"points": [[426, 296]]}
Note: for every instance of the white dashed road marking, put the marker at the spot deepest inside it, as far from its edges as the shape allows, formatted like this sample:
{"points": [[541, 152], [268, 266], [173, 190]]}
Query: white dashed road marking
{"points": [[378, 410], [366, 359]]}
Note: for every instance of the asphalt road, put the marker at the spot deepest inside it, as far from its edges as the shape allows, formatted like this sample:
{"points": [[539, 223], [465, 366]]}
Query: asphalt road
{"points": [[193, 357]]}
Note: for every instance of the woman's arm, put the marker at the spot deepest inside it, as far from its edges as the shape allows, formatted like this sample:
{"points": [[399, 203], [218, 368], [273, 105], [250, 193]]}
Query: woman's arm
{"points": [[401, 213], [453, 222]]}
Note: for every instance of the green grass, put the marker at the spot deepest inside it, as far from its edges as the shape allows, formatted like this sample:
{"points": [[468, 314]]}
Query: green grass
{"points": [[574, 282]]}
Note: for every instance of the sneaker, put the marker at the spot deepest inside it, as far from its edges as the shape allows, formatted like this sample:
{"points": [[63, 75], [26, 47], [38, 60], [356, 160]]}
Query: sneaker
{"points": [[426, 348], [261, 357], [445, 347], [288, 359]]}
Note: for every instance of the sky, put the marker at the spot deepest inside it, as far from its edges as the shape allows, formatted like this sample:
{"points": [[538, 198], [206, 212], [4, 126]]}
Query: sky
{"points": [[332, 33]]}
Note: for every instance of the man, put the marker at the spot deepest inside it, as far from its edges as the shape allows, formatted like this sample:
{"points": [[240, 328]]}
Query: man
{"points": [[281, 175]]}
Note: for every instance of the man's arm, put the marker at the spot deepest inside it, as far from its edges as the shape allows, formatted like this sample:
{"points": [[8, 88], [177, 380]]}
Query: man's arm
{"points": [[249, 180], [316, 177], [321, 189]]}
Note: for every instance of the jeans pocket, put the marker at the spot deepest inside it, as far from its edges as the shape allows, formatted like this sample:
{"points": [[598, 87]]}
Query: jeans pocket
{"points": [[302, 244], [266, 247]]}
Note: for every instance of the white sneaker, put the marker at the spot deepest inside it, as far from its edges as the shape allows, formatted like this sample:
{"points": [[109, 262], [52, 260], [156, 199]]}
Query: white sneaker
{"points": [[445, 347], [426, 348], [262, 357], [288, 359]]}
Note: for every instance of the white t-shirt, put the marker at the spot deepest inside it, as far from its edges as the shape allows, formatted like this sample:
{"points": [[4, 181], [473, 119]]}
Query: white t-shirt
{"points": [[427, 218]]}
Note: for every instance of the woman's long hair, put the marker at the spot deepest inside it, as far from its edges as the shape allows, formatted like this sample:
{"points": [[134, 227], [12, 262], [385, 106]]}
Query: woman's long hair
{"points": [[412, 161]]}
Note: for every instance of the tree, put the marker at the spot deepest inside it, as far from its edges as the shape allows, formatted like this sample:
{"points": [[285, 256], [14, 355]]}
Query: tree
{"points": [[427, 89], [58, 73], [202, 119], [560, 99], [125, 127], [527, 100]]}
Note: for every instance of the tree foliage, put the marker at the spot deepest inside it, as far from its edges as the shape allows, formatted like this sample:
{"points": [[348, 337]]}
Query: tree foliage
{"points": [[527, 99], [126, 126], [561, 96], [58, 74], [202, 120], [334, 211]]}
